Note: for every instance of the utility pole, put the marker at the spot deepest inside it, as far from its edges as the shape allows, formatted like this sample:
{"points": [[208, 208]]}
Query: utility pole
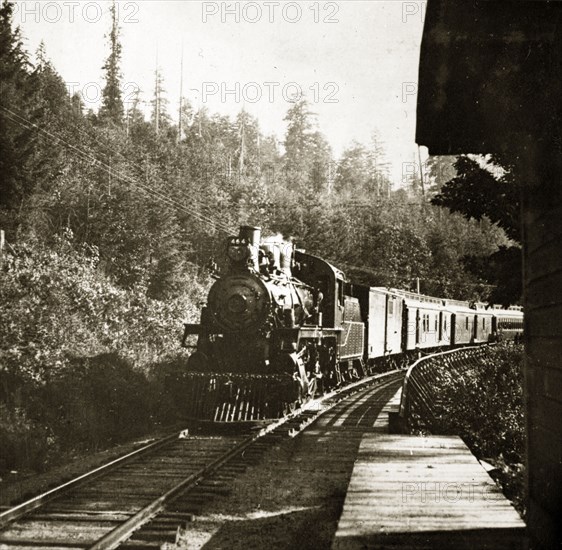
{"points": [[181, 95], [157, 97], [242, 144], [421, 173], [2, 245]]}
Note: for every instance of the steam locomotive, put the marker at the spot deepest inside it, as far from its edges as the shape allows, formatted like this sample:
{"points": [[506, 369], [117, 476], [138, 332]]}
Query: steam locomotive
{"points": [[289, 324]]}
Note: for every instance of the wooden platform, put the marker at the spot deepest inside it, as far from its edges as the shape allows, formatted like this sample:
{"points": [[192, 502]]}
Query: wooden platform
{"points": [[424, 492]]}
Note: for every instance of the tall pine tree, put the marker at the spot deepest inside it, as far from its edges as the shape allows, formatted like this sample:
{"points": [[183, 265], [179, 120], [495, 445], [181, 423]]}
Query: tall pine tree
{"points": [[353, 173], [112, 102], [307, 153], [160, 118], [14, 133]]}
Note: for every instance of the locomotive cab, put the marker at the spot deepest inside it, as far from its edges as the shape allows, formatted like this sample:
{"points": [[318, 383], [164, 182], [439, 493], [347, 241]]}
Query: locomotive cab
{"points": [[329, 281]]}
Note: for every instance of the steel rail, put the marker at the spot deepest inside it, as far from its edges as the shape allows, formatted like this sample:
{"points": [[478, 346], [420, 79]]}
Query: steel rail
{"points": [[122, 532], [12, 514]]}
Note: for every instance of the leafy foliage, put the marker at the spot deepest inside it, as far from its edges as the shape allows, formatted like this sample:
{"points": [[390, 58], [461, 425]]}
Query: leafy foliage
{"points": [[70, 341], [490, 191], [485, 404], [503, 269], [477, 192], [57, 304]]}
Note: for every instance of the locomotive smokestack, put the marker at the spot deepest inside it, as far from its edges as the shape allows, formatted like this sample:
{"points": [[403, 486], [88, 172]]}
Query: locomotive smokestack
{"points": [[252, 235]]}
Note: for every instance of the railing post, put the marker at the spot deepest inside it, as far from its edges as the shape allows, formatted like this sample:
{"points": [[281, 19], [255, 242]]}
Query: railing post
{"points": [[2, 245]]}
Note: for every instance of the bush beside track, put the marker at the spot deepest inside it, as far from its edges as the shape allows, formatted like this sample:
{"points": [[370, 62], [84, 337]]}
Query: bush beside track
{"points": [[83, 363], [484, 405]]}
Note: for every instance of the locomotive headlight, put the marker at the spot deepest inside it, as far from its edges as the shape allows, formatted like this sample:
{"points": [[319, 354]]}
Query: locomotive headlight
{"points": [[238, 253], [237, 303]]}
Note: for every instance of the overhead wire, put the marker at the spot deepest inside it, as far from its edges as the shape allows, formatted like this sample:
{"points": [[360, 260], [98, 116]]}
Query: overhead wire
{"points": [[170, 201], [107, 168], [386, 273], [215, 224], [109, 147], [111, 171]]}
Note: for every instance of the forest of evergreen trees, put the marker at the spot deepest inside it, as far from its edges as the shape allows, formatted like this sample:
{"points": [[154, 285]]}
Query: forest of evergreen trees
{"points": [[111, 218]]}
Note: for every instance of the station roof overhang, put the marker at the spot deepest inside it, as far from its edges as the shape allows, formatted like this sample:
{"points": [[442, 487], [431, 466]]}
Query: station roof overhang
{"points": [[490, 75]]}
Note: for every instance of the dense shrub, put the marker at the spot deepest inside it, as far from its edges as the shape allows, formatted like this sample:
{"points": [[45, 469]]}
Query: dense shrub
{"points": [[78, 354], [96, 400], [169, 379], [485, 404], [24, 442]]}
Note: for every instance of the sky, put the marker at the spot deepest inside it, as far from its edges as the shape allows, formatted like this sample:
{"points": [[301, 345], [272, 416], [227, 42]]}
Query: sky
{"points": [[356, 61]]}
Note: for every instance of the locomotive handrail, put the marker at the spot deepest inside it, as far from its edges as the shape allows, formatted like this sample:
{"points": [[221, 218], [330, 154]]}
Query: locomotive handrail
{"points": [[348, 330], [412, 384]]}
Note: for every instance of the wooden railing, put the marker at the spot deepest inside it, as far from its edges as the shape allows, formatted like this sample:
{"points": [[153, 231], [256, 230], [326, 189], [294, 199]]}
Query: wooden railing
{"points": [[419, 396]]}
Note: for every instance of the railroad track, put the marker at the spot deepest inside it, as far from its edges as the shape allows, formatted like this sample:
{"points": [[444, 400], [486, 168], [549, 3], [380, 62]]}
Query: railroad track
{"points": [[144, 499]]}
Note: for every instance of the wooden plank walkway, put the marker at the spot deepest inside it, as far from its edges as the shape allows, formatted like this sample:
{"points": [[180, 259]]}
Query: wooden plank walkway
{"points": [[424, 493]]}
